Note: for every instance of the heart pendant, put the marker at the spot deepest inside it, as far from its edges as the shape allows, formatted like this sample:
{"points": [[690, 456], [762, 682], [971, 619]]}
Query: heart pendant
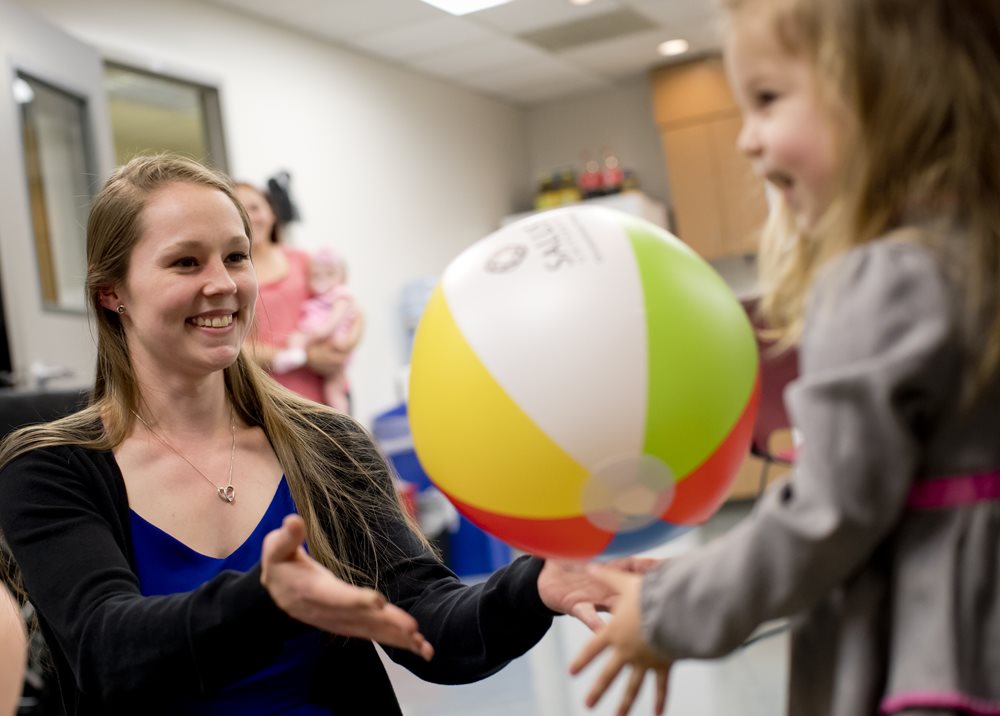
{"points": [[227, 493]]}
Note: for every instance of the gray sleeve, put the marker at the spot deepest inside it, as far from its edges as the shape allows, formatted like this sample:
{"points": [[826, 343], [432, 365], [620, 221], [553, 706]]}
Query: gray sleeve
{"points": [[878, 360]]}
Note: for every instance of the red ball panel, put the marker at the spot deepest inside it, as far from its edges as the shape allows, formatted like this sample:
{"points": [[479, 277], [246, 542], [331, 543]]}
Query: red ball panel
{"points": [[569, 537]]}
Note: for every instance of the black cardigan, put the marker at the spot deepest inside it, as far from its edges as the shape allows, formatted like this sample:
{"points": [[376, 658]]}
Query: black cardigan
{"points": [[65, 515]]}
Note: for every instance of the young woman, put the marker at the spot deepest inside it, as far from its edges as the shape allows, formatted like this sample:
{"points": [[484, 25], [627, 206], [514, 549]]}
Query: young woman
{"points": [[200, 540]]}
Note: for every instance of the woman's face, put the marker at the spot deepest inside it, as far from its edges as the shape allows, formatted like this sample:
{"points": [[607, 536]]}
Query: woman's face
{"points": [[261, 216], [190, 288]]}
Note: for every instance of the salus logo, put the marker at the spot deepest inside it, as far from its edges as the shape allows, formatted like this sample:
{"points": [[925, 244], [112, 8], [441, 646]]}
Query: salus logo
{"points": [[506, 259]]}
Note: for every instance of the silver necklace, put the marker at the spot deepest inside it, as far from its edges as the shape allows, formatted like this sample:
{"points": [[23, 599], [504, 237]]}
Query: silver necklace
{"points": [[226, 493]]}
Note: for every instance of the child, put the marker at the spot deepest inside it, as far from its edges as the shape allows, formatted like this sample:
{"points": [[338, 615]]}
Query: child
{"points": [[331, 314], [876, 121]]}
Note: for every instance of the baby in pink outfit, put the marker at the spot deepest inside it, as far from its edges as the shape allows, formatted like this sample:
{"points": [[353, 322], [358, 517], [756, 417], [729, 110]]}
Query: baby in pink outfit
{"points": [[330, 314]]}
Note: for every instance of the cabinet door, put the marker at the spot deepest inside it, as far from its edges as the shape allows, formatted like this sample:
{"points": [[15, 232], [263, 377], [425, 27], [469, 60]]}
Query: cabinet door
{"points": [[690, 92], [694, 188], [743, 206]]}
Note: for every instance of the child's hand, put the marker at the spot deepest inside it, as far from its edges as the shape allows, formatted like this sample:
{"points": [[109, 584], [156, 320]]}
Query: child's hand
{"points": [[623, 636]]}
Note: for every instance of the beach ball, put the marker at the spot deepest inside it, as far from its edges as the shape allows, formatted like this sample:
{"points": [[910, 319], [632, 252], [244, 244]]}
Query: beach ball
{"points": [[583, 384]]}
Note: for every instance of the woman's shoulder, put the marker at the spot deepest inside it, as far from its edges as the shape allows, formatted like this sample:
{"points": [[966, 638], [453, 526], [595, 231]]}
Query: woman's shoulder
{"points": [[45, 459], [59, 474]]}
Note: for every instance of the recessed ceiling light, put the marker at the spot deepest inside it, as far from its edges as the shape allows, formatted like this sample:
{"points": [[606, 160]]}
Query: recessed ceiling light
{"points": [[464, 7], [673, 47], [581, 2]]}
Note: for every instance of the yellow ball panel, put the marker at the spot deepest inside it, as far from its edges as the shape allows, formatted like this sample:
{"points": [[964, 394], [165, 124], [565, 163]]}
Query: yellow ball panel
{"points": [[472, 439]]}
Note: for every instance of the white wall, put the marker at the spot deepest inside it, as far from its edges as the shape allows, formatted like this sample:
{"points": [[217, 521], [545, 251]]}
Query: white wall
{"points": [[398, 170], [620, 118]]}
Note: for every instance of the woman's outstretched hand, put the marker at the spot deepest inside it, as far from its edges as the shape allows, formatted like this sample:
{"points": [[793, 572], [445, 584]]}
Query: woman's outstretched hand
{"points": [[569, 587], [310, 593], [623, 636]]}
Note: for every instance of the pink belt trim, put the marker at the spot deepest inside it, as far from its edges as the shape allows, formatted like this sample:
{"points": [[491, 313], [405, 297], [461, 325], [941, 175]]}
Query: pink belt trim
{"points": [[954, 491], [948, 700]]}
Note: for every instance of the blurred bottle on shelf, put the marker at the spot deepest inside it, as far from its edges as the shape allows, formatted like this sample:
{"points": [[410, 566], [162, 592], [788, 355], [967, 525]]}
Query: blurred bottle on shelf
{"points": [[612, 175], [568, 185], [546, 197], [630, 182], [569, 192], [591, 181]]}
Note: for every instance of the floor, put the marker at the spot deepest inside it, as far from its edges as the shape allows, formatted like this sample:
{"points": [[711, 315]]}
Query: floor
{"points": [[749, 682]]}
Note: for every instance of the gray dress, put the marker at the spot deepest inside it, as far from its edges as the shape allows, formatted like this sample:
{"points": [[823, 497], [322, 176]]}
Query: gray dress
{"points": [[885, 600]]}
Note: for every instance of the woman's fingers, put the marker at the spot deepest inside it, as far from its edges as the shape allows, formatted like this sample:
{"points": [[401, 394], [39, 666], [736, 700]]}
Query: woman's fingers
{"points": [[366, 615], [586, 613], [345, 596], [614, 579], [641, 565], [391, 626], [283, 543]]}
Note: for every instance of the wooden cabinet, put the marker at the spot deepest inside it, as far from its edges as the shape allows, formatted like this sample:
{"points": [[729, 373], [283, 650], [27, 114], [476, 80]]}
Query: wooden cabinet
{"points": [[718, 205], [746, 484]]}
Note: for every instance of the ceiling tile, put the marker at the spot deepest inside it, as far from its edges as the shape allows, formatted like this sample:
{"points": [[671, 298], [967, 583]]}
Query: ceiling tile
{"points": [[521, 16], [628, 56], [480, 57], [619, 57], [423, 38], [677, 14], [339, 19], [619, 23]]}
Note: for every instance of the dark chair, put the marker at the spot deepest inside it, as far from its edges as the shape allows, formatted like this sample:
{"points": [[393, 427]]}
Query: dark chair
{"points": [[24, 407], [777, 370]]}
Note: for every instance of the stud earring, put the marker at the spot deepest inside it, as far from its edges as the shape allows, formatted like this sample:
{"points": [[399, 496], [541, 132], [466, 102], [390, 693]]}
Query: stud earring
{"points": [[121, 308]]}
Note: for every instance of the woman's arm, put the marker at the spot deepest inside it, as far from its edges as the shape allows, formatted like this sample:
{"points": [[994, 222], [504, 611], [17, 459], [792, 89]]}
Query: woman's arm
{"points": [[474, 630]]}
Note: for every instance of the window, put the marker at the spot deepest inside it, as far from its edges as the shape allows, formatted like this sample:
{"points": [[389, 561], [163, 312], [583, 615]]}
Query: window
{"points": [[59, 167], [155, 113]]}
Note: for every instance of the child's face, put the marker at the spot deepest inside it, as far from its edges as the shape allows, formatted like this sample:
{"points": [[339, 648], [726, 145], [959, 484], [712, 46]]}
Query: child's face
{"points": [[324, 276], [788, 134]]}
